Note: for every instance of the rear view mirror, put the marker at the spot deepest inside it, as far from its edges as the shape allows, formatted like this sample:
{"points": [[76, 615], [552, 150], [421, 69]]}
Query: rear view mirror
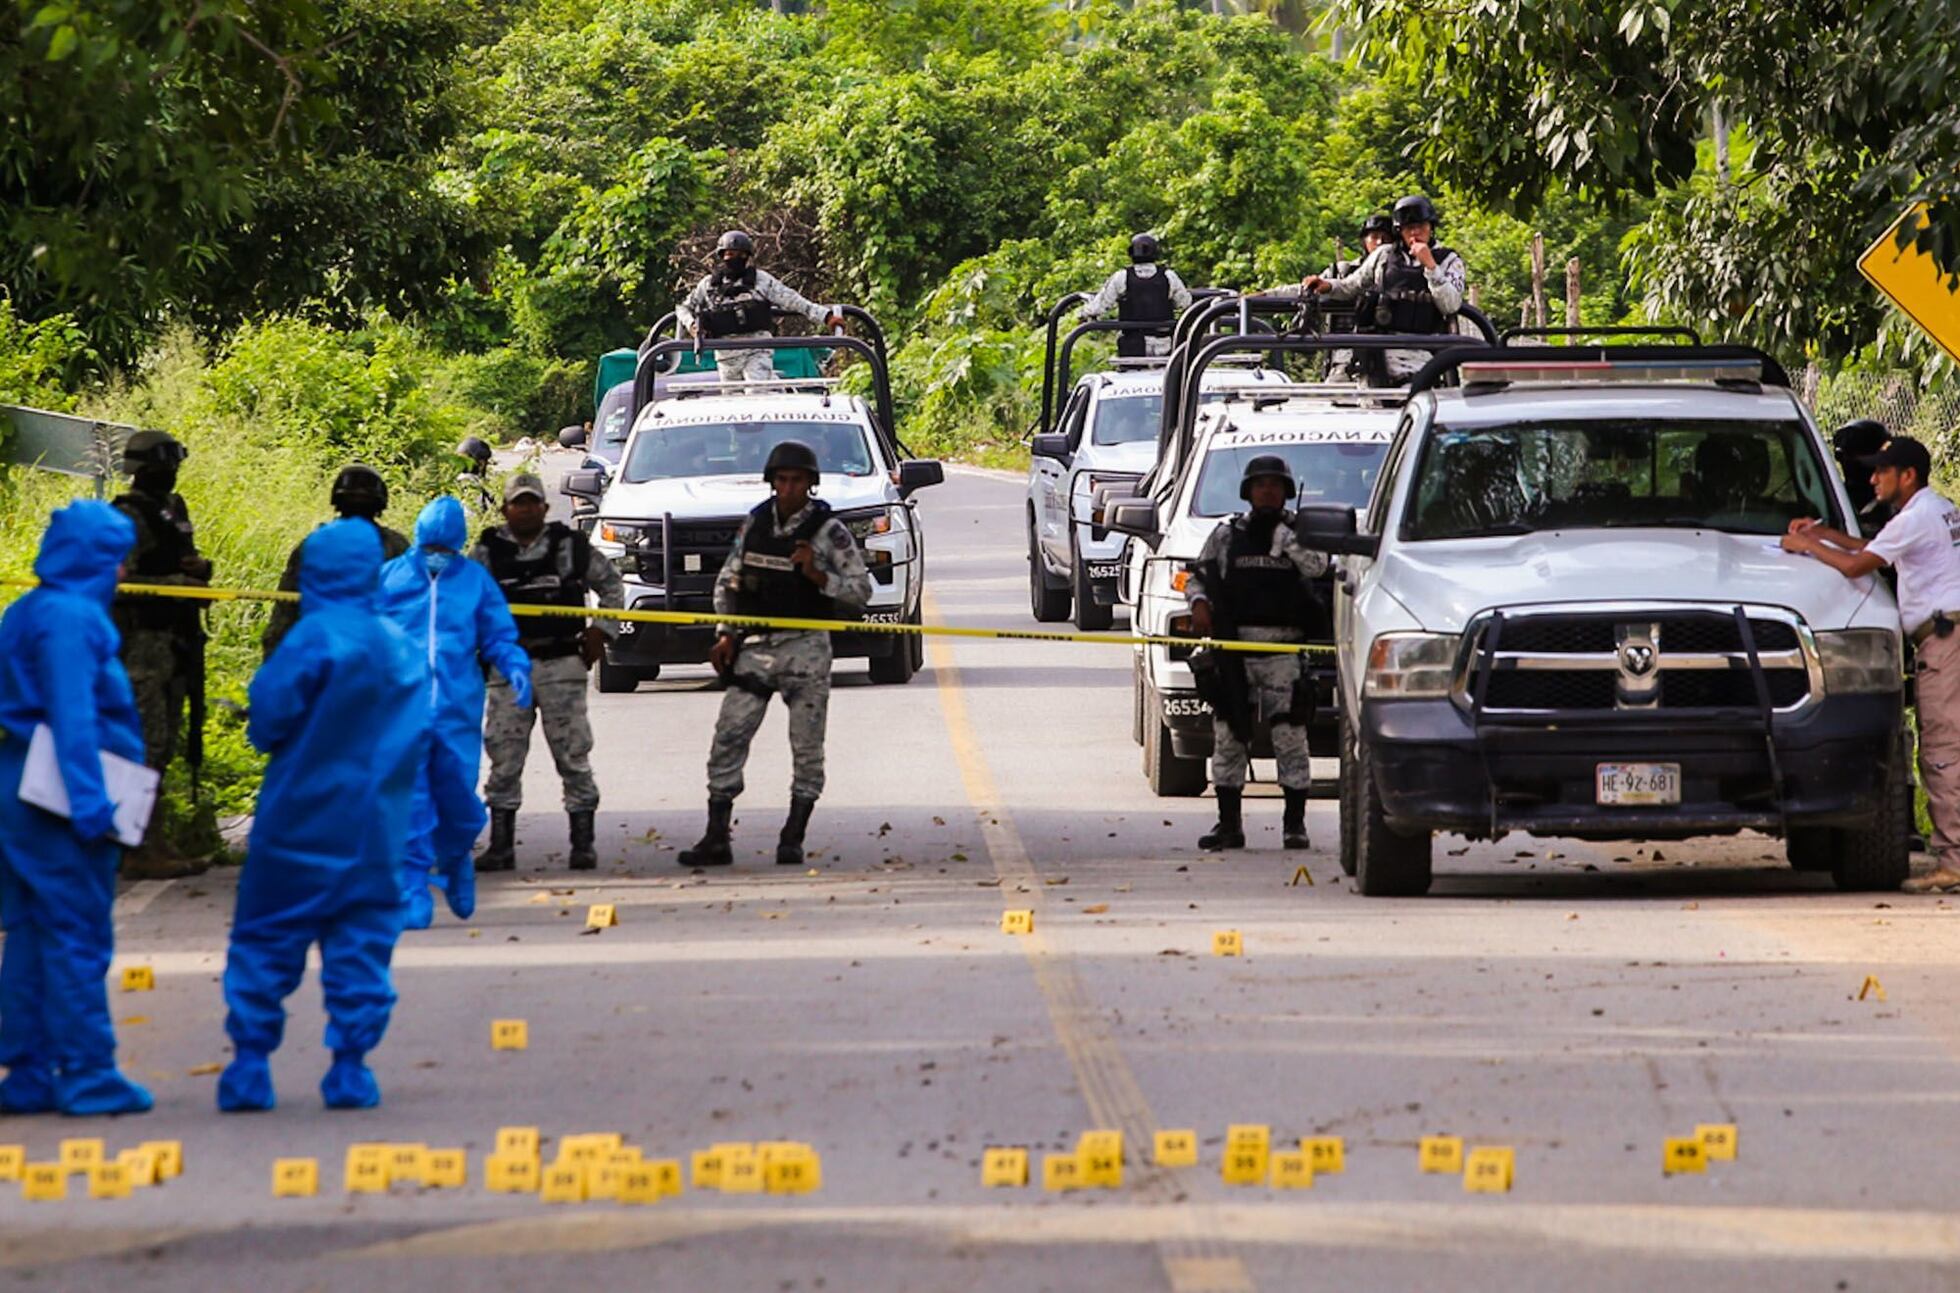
{"points": [[1330, 527], [1136, 517], [588, 485], [915, 474], [1050, 444], [571, 438]]}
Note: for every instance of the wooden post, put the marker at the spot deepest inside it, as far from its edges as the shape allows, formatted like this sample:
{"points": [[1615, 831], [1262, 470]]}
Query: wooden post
{"points": [[1572, 293], [1475, 295], [1539, 310]]}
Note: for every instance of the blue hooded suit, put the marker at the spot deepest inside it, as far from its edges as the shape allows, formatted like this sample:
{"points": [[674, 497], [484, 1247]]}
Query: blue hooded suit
{"points": [[342, 708], [59, 666], [458, 618]]}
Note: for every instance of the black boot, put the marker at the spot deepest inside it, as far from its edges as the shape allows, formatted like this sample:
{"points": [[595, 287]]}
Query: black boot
{"points": [[789, 845], [501, 855], [1230, 831], [713, 850], [1294, 825], [584, 856]]}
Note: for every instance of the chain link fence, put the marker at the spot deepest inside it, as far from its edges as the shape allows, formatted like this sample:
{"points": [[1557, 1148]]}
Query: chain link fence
{"points": [[1894, 398]]}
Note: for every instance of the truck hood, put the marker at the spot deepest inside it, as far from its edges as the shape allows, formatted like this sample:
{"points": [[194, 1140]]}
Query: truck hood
{"points": [[711, 497], [1445, 583]]}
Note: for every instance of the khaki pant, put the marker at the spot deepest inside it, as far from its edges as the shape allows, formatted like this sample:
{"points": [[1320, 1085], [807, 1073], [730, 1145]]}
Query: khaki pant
{"points": [[1938, 689], [559, 688]]}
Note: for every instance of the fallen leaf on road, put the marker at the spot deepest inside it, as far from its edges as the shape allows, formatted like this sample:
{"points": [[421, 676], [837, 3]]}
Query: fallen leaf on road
{"points": [[136, 1019], [1095, 909], [1173, 951], [988, 884], [205, 1070], [1055, 879], [476, 933], [959, 857], [539, 898], [885, 828], [1122, 888], [1690, 906], [939, 821], [772, 915]]}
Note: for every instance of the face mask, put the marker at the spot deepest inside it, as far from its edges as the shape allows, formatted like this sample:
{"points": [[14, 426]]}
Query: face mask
{"points": [[437, 559], [156, 479]]}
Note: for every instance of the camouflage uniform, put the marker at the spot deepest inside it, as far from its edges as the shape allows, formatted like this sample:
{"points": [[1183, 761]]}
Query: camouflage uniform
{"points": [[559, 685], [286, 614], [794, 663], [746, 365], [158, 633]]}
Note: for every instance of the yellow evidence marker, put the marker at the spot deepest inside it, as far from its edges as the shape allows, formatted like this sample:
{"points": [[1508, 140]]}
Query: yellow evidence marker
{"points": [[798, 1171], [367, 1169], [639, 1183], [511, 1173], [13, 1160], [138, 978], [1301, 873], [446, 1169], [1176, 1149], [1004, 1167], [142, 1165], [601, 1180], [562, 1183], [741, 1172], [295, 1178], [517, 1141], [1489, 1169], [1440, 1154], [44, 1182], [1718, 1141], [1100, 1169], [1228, 942], [668, 1172], [706, 1169], [407, 1163], [1017, 922], [1061, 1172], [1247, 1148], [1292, 1169], [78, 1156], [601, 915], [1328, 1154], [169, 1155], [108, 1181], [1871, 986], [1682, 1155], [509, 1035]]}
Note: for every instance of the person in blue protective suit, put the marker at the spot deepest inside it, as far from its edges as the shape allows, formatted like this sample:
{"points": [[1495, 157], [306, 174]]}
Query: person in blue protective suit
{"points": [[459, 619], [59, 665], [342, 707]]}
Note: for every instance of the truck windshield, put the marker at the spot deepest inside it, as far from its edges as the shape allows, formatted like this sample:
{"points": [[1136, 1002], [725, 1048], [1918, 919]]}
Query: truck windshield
{"points": [[1747, 477], [740, 448], [614, 420], [1126, 419], [1327, 473]]}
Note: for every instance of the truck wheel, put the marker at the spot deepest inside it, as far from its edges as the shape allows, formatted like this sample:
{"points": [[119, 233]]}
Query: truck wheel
{"points": [[617, 679], [1388, 863], [1346, 785], [1879, 855], [1136, 700], [1090, 616], [1047, 597], [898, 667], [1170, 777], [1811, 848]]}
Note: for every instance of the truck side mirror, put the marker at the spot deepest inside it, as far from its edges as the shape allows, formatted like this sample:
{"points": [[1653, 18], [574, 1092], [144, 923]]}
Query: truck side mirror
{"points": [[1136, 517], [572, 438], [914, 474], [1330, 527], [587, 485], [1050, 444]]}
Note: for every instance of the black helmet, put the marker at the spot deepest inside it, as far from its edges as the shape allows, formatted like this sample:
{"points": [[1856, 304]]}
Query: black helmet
{"points": [[1415, 209], [1378, 223], [1266, 464], [734, 240], [1859, 439], [153, 449], [359, 491], [475, 450], [795, 455], [1143, 248]]}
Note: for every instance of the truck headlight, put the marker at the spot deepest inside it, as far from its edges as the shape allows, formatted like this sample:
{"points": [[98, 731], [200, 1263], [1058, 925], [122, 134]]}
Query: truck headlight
{"points": [[1860, 660], [1409, 666]]}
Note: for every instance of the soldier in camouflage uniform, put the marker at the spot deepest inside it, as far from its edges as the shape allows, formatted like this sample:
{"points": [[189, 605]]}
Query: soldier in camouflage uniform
{"points": [[358, 491], [793, 559], [162, 638], [540, 563], [739, 301], [1253, 581]]}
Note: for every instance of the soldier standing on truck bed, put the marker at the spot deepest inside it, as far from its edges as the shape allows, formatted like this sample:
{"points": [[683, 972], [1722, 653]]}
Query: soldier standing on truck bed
{"points": [[738, 301], [1146, 292], [1412, 284]]}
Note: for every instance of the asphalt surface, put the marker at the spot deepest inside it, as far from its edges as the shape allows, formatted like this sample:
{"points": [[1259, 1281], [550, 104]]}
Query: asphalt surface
{"points": [[1576, 1003]]}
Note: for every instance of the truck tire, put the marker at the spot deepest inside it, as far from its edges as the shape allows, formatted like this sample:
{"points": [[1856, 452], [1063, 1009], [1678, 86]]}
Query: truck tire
{"points": [[898, 667], [1136, 699], [618, 679], [1090, 616], [1387, 863], [1879, 855], [1345, 794], [1047, 596], [1169, 776], [1811, 848]]}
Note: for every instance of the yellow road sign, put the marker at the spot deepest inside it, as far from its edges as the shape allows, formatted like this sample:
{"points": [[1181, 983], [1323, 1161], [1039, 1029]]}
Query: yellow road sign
{"points": [[1915, 283]]}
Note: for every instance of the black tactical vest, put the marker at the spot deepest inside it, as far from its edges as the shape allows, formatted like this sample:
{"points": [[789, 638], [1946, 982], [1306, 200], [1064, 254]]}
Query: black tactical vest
{"points": [[1146, 299], [1262, 590], [554, 578], [167, 521], [734, 306], [770, 583], [1403, 303]]}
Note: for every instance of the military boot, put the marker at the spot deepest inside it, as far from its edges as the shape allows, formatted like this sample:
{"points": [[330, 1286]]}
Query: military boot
{"points": [[1294, 825], [713, 849], [1230, 831], [584, 856], [501, 855], [789, 845]]}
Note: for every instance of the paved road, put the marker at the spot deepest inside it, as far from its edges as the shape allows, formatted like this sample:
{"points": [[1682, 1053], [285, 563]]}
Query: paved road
{"points": [[1577, 1003]]}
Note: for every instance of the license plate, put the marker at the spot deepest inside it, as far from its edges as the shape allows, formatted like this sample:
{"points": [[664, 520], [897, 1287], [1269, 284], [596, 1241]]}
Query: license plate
{"points": [[1637, 784]]}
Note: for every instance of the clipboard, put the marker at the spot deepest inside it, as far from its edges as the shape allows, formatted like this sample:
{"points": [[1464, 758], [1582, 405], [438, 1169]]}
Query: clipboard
{"points": [[132, 786]]}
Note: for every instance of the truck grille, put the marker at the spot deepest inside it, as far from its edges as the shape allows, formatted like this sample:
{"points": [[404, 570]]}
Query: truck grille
{"points": [[698, 550], [1594, 658]]}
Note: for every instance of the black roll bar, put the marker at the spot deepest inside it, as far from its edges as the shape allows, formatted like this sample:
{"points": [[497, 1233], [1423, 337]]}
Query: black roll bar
{"points": [[1444, 365], [1051, 388], [1055, 313], [670, 323], [648, 370], [1688, 335]]}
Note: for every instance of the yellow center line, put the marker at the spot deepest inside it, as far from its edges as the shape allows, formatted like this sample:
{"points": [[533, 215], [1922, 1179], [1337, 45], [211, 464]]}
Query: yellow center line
{"points": [[1195, 1264]]}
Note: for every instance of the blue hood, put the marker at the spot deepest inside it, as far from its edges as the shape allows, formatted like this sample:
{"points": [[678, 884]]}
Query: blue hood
{"points": [[83, 549], [442, 525], [340, 565]]}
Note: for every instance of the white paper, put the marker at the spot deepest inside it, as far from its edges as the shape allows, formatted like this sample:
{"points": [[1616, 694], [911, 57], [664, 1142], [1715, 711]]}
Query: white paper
{"points": [[132, 787]]}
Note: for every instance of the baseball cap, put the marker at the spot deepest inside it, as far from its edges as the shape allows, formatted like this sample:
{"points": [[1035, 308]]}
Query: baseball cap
{"points": [[523, 483], [1902, 452]]}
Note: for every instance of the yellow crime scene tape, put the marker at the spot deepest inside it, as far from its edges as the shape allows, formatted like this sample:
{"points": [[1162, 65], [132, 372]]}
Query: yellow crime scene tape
{"points": [[760, 621]]}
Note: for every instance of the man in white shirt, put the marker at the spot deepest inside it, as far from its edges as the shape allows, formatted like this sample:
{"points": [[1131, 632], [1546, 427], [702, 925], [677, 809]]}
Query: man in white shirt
{"points": [[1922, 543]]}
